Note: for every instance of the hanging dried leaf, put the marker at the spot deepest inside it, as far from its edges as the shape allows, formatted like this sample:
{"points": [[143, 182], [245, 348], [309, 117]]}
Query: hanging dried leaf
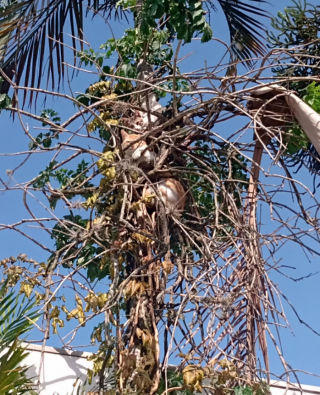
{"points": [[192, 377], [167, 266]]}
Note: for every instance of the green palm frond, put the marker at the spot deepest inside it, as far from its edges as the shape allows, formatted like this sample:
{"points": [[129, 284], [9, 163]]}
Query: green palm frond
{"points": [[16, 319], [32, 28], [12, 375], [109, 382], [245, 30]]}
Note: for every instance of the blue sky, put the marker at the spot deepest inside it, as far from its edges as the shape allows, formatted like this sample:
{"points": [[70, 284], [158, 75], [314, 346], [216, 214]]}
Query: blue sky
{"points": [[301, 347]]}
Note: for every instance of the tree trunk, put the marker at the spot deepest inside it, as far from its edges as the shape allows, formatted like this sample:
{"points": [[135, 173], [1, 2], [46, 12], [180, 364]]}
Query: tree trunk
{"points": [[255, 320], [139, 358]]}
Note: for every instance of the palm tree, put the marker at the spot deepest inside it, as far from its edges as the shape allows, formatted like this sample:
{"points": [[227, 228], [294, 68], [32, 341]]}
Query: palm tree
{"points": [[24, 27], [296, 30], [277, 108], [29, 27]]}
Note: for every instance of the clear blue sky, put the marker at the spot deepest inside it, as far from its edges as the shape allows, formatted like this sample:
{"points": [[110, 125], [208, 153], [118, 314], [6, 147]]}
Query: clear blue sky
{"points": [[301, 347]]}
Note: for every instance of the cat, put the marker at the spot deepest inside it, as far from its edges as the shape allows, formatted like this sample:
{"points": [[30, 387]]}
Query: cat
{"points": [[154, 106], [135, 122], [139, 121], [139, 151], [148, 98], [172, 193]]}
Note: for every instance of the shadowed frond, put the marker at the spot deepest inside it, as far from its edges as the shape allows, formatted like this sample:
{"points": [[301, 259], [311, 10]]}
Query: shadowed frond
{"points": [[12, 375], [244, 27], [32, 28], [13, 319], [16, 319]]}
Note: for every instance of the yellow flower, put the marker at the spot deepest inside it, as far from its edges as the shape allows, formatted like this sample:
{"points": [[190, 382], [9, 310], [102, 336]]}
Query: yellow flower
{"points": [[112, 96], [101, 86], [90, 202]]}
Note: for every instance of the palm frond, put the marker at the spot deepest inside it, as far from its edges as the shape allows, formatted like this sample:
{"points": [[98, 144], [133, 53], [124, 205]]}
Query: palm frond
{"points": [[245, 30], [33, 28], [109, 382], [15, 319], [30, 29], [12, 375]]}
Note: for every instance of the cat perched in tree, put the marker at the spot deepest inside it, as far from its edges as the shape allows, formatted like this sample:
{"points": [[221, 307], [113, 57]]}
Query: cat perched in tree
{"points": [[171, 192], [138, 151], [170, 189]]}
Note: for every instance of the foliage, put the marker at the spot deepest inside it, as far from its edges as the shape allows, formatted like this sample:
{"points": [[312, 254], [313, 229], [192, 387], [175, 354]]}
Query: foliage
{"points": [[5, 101], [312, 96], [159, 280], [298, 27], [130, 48], [45, 139], [261, 388], [187, 18], [174, 379], [72, 182], [28, 33], [16, 319], [297, 140]]}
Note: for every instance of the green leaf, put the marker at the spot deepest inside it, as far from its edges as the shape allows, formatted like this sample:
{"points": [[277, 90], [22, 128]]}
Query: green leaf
{"points": [[207, 33], [153, 10], [144, 26], [16, 319], [5, 101], [187, 34], [13, 321], [47, 143], [95, 273], [83, 99], [243, 391]]}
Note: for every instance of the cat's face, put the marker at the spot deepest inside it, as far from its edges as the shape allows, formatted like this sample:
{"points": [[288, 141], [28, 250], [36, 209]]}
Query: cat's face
{"points": [[138, 151], [127, 139], [135, 122]]}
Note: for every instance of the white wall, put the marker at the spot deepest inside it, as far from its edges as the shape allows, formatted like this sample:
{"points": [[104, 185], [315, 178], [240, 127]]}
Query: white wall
{"points": [[281, 388], [62, 368]]}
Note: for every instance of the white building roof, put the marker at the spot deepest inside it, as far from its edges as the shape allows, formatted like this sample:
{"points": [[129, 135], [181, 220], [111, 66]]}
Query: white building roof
{"points": [[64, 370]]}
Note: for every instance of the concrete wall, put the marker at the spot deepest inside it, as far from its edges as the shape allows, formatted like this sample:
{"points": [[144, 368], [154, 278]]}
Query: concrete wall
{"points": [[62, 369], [281, 388]]}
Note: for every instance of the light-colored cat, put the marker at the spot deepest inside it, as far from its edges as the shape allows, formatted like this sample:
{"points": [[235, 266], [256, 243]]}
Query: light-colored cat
{"points": [[172, 193], [139, 151], [135, 122]]}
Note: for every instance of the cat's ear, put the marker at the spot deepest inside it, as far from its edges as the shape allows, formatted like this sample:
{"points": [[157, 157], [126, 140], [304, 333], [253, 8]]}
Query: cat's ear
{"points": [[138, 114], [124, 134]]}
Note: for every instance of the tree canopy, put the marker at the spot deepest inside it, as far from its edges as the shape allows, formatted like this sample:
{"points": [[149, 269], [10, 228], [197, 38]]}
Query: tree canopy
{"points": [[32, 30], [188, 282]]}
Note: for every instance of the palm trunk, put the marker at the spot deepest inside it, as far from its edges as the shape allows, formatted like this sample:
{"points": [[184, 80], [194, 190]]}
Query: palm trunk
{"points": [[255, 322], [274, 114], [139, 357], [308, 119]]}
